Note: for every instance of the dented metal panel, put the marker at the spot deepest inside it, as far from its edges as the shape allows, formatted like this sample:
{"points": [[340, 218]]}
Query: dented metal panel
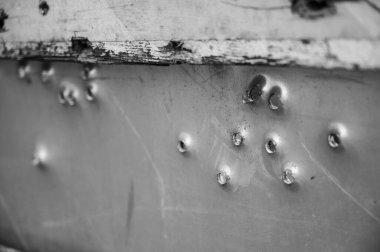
{"points": [[188, 158]]}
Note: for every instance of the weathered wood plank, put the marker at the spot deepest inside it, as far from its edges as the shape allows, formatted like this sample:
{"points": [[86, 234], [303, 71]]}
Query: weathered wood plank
{"points": [[335, 53], [116, 20], [197, 32]]}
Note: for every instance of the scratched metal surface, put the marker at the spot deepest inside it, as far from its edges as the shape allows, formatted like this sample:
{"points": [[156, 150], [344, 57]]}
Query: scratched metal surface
{"points": [[112, 179]]}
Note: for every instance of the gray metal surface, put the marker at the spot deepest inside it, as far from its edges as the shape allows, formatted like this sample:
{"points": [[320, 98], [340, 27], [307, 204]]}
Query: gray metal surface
{"points": [[171, 158]]}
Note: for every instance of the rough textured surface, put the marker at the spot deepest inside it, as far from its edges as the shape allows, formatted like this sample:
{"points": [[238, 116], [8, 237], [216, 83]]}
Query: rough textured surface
{"points": [[327, 34], [337, 53], [121, 20]]}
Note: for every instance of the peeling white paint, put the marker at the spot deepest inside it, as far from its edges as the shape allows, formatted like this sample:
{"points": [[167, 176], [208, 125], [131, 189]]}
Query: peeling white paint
{"points": [[333, 53]]}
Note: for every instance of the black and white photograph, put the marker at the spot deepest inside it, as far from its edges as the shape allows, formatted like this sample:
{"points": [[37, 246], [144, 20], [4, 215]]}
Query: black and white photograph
{"points": [[189, 125]]}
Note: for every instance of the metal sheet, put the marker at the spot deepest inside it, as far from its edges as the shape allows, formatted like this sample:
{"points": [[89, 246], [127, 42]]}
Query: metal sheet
{"points": [[107, 174]]}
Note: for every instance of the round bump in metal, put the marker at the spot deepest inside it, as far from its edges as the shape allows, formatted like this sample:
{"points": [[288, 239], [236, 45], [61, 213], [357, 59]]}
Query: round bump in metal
{"points": [[237, 139], [36, 161], [272, 143], [287, 177], [24, 70], [40, 157], [224, 175], [91, 90], [271, 146], [334, 140], [184, 142], [181, 146], [47, 72], [67, 95], [255, 89], [289, 173], [337, 131], [88, 71], [275, 99]]}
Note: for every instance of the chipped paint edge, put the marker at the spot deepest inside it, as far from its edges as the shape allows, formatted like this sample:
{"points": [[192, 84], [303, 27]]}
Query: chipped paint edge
{"points": [[327, 54]]}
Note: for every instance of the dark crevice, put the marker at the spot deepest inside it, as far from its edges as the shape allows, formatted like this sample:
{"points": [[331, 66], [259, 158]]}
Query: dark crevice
{"points": [[312, 9], [3, 17], [79, 44], [317, 5], [175, 46], [43, 7]]}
